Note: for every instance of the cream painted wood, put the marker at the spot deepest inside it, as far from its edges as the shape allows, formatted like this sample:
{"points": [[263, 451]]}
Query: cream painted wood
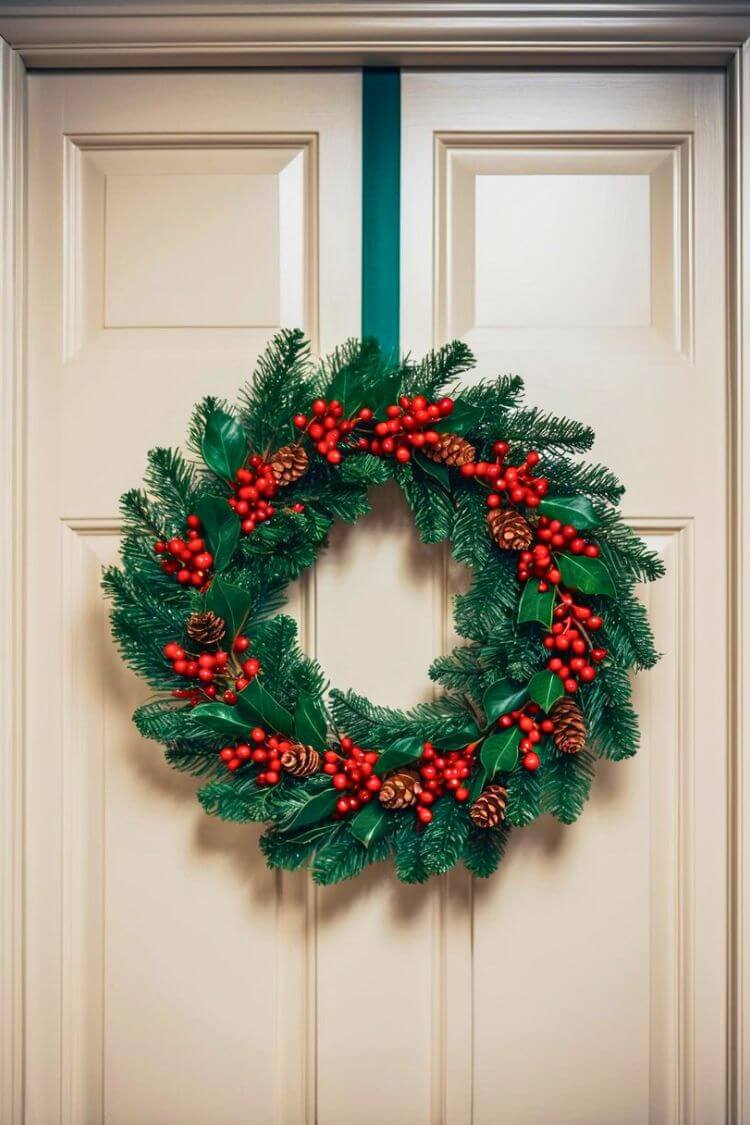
{"points": [[578, 231], [174, 221]]}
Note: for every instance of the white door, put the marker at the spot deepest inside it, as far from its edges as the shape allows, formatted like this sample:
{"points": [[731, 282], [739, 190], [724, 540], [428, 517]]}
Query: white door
{"points": [[577, 226]]}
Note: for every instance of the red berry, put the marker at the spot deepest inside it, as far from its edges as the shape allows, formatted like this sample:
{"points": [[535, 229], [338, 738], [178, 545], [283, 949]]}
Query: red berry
{"points": [[300, 421], [424, 815], [531, 761], [570, 686]]}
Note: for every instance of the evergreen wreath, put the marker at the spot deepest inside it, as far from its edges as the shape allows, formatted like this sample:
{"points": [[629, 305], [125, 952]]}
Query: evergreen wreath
{"points": [[551, 621]]}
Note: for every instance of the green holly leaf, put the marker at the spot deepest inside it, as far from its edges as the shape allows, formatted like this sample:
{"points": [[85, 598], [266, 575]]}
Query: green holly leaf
{"points": [[311, 721], [221, 528], [316, 809], [437, 470], [590, 576], [457, 737], [403, 752], [231, 603], [222, 719], [370, 823], [575, 510], [502, 697], [545, 689], [224, 445], [478, 782], [535, 605], [500, 751], [385, 393], [260, 708], [461, 419]]}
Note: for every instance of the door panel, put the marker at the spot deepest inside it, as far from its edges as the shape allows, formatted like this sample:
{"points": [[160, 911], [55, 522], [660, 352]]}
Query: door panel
{"points": [[577, 226]]}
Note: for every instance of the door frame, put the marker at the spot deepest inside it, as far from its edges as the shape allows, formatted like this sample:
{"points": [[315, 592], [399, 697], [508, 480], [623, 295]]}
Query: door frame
{"points": [[116, 34]]}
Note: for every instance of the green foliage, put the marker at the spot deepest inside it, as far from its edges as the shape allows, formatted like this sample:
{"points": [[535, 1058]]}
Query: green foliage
{"points": [[498, 668], [279, 389], [612, 723], [432, 507], [438, 371], [566, 783], [483, 850], [376, 727], [444, 837]]}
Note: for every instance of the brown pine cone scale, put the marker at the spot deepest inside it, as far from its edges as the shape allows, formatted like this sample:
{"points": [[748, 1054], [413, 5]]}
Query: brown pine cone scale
{"points": [[488, 811], [450, 449], [570, 726], [509, 529], [288, 464], [301, 761], [205, 628], [400, 790]]}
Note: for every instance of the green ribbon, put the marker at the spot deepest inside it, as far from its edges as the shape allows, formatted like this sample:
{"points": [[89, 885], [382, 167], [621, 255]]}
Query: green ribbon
{"points": [[381, 191]]}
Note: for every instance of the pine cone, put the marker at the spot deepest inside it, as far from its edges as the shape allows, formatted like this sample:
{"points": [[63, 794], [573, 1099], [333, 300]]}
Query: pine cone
{"points": [[288, 464], [450, 449], [400, 790], [489, 808], [205, 628], [300, 761], [509, 529], [570, 726]]}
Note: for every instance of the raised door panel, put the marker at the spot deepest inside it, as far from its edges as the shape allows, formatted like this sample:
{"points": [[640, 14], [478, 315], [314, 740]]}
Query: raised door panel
{"points": [[577, 229]]}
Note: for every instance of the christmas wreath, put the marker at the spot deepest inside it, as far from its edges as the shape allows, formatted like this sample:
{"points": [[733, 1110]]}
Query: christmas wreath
{"points": [[551, 621]]}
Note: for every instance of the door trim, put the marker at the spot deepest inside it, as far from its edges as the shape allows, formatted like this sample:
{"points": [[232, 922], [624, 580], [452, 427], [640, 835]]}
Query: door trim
{"points": [[41, 35]]}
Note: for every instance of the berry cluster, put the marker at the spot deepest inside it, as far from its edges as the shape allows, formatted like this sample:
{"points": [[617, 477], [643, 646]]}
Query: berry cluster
{"points": [[571, 637], [351, 773], [187, 559], [552, 535], [212, 671], [265, 751], [516, 482], [253, 490], [409, 425], [532, 727], [441, 772], [326, 427]]}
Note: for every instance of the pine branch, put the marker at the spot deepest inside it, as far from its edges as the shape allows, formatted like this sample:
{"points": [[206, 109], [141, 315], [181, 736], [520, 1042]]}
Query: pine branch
{"points": [[375, 727], [566, 478], [532, 428], [611, 721], [444, 837], [172, 482], [279, 389], [341, 856], [293, 852], [628, 633], [625, 552], [566, 783], [437, 371], [409, 863], [470, 538], [483, 850], [432, 508]]}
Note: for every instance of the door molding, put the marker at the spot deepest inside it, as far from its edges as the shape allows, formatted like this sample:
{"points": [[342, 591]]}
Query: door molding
{"points": [[111, 34]]}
